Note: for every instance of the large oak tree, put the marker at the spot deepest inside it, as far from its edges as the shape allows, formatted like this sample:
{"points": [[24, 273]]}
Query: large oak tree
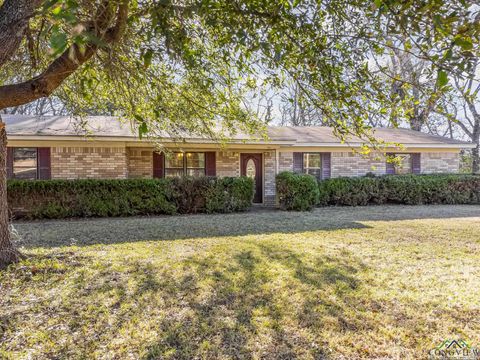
{"points": [[187, 65]]}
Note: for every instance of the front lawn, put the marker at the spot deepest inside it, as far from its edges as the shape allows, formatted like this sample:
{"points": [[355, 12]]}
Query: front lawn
{"points": [[365, 282]]}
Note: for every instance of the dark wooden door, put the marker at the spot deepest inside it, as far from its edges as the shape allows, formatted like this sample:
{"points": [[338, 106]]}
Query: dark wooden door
{"points": [[251, 166]]}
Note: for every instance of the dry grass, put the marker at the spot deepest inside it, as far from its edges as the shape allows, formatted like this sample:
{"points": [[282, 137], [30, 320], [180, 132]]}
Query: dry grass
{"points": [[337, 283]]}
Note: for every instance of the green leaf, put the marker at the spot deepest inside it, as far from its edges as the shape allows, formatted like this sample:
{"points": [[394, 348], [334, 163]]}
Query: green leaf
{"points": [[143, 128], [147, 58], [57, 10], [442, 78], [464, 43], [58, 42]]}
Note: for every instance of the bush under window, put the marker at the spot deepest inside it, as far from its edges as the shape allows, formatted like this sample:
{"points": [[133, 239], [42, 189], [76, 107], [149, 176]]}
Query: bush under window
{"points": [[57, 199], [401, 189], [296, 191]]}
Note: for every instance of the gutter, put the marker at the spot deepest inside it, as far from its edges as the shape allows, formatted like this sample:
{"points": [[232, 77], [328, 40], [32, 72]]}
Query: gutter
{"points": [[409, 145], [286, 143], [137, 140]]}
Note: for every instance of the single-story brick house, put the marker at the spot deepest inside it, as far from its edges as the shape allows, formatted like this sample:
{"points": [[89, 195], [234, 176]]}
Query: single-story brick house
{"points": [[52, 147]]}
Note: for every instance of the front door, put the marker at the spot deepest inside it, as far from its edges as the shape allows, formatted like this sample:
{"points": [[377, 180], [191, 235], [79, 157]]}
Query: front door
{"points": [[251, 166]]}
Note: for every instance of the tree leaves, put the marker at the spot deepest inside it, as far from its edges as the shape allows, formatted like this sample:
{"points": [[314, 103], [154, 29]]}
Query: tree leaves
{"points": [[442, 79], [187, 65], [464, 42]]}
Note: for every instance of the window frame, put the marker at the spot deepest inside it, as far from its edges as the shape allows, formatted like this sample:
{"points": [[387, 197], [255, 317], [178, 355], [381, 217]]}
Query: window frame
{"points": [[37, 170], [320, 168], [410, 167], [184, 167]]}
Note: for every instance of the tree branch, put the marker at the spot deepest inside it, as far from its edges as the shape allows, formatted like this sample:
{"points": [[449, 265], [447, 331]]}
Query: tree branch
{"points": [[68, 62], [14, 17]]}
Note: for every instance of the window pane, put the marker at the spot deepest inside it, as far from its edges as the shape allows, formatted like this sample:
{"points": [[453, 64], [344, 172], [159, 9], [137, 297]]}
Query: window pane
{"points": [[174, 160], [173, 172], [311, 160], [315, 172], [195, 164], [251, 169], [196, 172], [25, 163], [195, 160], [405, 166]]}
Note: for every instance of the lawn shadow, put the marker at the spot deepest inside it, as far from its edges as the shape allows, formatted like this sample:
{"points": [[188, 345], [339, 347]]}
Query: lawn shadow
{"points": [[243, 315], [85, 232]]}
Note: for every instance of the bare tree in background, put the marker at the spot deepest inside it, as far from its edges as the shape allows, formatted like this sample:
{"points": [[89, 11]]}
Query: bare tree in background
{"points": [[295, 109], [465, 110], [44, 106], [414, 86]]}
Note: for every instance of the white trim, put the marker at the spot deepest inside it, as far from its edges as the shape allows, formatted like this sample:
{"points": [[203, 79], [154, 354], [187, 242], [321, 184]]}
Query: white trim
{"points": [[146, 141], [284, 143], [422, 145]]}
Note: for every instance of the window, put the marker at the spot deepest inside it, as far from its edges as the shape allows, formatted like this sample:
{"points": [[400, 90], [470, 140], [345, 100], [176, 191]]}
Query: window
{"points": [[174, 165], [180, 164], [404, 166], [195, 164], [25, 163], [312, 164]]}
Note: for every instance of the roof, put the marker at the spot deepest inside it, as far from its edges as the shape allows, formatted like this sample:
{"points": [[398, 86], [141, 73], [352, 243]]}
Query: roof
{"points": [[107, 127]]}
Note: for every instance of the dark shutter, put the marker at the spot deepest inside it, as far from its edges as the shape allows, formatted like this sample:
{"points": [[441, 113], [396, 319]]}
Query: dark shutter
{"points": [[9, 163], [210, 164], [416, 163], [326, 165], [158, 165], [298, 162], [44, 163], [390, 170]]}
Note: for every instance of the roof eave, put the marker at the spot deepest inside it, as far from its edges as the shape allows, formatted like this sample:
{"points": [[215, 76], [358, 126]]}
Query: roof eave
{"points": [[410, 145], [136, 139], [288, 143]]}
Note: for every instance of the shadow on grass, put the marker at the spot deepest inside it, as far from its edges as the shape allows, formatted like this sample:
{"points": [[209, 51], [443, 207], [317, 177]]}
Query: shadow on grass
{"points": [[245, 316], [261, 301], [118, 230]]}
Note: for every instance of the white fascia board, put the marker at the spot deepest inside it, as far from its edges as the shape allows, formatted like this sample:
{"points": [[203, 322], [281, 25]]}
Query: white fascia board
{"points": [[137, 140], [422, 145], [286, 143]]}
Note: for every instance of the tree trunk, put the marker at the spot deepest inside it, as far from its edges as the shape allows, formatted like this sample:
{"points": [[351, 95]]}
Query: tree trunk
{"points": [[8, 253], [476, 158], [416, 120]]}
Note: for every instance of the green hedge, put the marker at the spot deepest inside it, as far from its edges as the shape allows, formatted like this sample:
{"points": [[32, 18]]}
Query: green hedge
{"points": [[296, 191], [401, 189], [58, 199]]}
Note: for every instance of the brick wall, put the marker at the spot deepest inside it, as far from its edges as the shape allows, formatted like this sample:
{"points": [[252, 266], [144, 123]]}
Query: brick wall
{"points": [[228, 163], [439, 162], [140, 163], [89, 163], [285, 161], [269, 192], [352, 164], [343, 164]]}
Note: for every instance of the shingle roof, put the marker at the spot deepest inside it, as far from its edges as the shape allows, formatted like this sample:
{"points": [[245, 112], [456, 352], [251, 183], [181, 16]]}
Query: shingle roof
{"points": [[106, 126], [324, 134]]}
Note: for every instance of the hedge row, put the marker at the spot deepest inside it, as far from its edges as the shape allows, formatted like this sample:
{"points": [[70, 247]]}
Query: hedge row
{"points": [[396, 189], [58, 199], [401, 189], [296, 191]]}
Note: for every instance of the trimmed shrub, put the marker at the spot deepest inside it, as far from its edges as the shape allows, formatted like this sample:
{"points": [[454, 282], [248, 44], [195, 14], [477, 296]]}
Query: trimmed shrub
{"points": [[401, 189], [296, 191], [58, 199], [230, 195]]}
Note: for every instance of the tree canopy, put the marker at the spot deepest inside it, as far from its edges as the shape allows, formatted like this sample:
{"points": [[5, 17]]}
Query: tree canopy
{"points": [[192, 65], [189, 65]]}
